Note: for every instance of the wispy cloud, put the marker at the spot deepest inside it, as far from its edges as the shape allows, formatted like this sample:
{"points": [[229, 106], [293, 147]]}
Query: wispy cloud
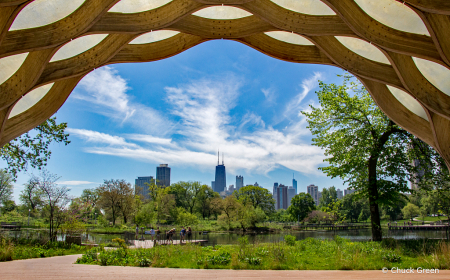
{"points": [[206, 122], [270, 95], [293, 107], [105, 89]]}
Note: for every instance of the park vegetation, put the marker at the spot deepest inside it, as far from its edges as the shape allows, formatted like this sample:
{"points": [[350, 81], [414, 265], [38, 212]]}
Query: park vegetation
{"points": [[310, 253]]}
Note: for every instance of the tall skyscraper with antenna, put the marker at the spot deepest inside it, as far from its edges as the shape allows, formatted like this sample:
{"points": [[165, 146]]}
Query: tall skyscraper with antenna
{"points": [[221, 178]]}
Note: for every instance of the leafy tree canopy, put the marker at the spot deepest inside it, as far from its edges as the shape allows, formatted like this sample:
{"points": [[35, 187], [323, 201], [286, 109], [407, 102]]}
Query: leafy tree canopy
{"points": [[257, 197], [33, 150], [301, 205], [363, 146]]}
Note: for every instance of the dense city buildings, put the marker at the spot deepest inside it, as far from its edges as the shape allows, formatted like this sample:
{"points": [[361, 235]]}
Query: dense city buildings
{"points": [[347, 191], [228, 192], [163, 175], [220, 184], [239, 182], [314, 192], [339, 194], [282, 197], [140, 188]]}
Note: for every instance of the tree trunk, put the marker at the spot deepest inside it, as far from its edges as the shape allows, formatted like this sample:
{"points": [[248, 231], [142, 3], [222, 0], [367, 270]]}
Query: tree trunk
{"points": [[373, 197]]}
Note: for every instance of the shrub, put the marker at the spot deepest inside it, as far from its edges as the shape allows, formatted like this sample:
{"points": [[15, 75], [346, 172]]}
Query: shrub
{"points": [[243, 241], [145, 262], [290, 240], [220, 259], [254, 260], [392, 257]]}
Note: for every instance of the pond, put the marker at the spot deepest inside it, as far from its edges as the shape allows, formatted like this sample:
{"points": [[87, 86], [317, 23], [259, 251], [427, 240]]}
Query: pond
{"points": [[214, 238], [232, 238]]}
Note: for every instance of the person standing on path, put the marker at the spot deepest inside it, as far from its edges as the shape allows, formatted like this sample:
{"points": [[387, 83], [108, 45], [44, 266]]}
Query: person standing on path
{"points": [[152, 233], [137, 231]]}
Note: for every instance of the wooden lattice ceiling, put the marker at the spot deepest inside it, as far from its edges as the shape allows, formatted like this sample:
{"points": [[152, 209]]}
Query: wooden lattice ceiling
{"points": [[405, 71]]}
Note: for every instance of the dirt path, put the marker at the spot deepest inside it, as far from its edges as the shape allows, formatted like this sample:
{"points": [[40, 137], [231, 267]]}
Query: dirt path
{"points": [[63, 268]]}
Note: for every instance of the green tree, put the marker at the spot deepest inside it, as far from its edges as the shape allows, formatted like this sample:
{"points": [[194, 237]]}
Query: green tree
{"points": [[365, 148], [109, 198], [146, 214], [281, 215], [33, 150], [328, 196], [352, 206], [248, 216], [257, 197], [410, 211], [301, 205], [204, 202], [6, 187], [31, 196], [187, 194]]}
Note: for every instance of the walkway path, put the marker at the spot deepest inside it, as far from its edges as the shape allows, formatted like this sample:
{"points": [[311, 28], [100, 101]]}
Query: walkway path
{"points": [[63, 268]]}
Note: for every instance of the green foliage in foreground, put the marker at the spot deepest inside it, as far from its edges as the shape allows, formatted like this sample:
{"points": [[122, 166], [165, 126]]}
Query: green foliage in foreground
{"points": [[308, 254], [10, 250]]}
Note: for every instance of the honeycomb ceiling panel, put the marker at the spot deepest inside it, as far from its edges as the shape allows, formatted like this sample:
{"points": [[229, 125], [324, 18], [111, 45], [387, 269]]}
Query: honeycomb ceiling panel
{"points": [[400, 50], [43, 12]]}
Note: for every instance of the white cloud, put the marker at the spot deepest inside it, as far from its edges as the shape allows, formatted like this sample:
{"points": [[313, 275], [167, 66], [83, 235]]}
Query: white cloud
{"points": [[100, 138], [270, 95], [206, 124], [76, 183], [107, 90], [293, 107]]}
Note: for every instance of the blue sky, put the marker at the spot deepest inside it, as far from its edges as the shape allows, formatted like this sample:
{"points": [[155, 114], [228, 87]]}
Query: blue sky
{"points": [[126, 119]]}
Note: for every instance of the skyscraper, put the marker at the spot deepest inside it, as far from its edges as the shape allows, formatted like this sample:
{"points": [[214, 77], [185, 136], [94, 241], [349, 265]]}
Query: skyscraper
{"points": [[290, 194], [221, 179], [294, 185], [140, 188], [314, 192], [347, 191], [282, 193], [163, 175], [239, 182], [339, 194], [275, 193]]}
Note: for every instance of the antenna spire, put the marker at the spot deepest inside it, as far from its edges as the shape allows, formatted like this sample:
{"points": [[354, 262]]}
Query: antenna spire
{"points": [[217, 157], [222, 159]]}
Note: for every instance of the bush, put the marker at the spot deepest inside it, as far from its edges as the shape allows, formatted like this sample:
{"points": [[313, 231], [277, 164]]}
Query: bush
{"points": [[392, 257], [223, 258], [290, 240], [145, 262]]}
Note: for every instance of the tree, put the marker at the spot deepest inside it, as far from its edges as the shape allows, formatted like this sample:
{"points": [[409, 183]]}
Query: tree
{"points": [[90, 196], [365, 148], [205, 198], [229, 205], [257, 197], [328, 196], [32, 195], [55, 199], [33, 150], [126, 199], [187, 194], [352, 206], [410, 211], [6, 187], [109, 198], [301, 205], [145, 215]]}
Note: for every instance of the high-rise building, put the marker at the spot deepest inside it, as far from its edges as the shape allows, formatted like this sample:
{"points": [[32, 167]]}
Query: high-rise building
{"points": [[213, 185], [275, 193], [239, 182], [314, 192], [221, 178], [256, 184], [140, 188], [347, 191], [163, 175], [291, 194], [339, 194], [294, 185], [282, 194]]}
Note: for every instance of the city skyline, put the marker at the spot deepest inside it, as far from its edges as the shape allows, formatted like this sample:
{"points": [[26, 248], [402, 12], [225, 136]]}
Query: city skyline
{"points": [[124, 120]]}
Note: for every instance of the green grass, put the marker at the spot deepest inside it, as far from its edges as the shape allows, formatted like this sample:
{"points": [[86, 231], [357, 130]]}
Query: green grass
{"points": [[10, 250], [308, 254]]}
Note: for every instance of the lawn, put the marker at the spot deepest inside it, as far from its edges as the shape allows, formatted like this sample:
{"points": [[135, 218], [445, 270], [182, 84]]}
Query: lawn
{"points": [[308, 254]]}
